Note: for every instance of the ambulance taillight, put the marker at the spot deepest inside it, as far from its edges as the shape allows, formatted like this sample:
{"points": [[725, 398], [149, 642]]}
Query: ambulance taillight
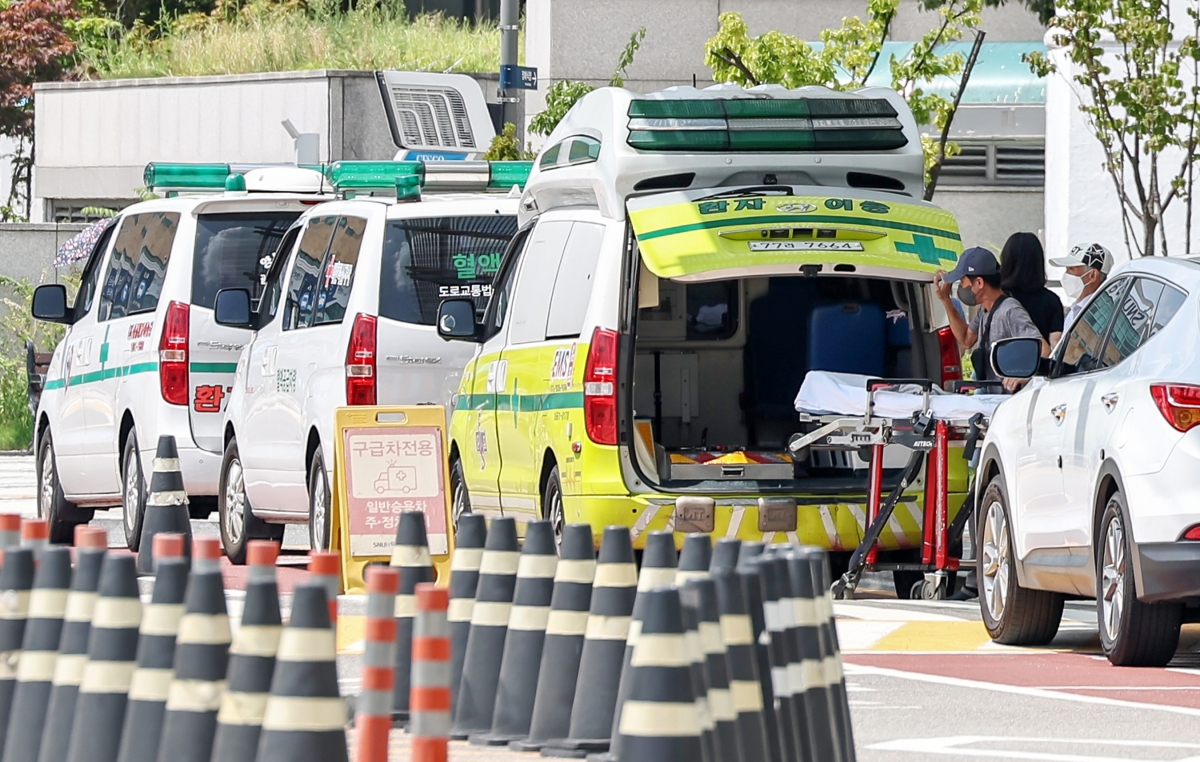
{"points": [[360, 362], [173, 355], [948, 351], [600, 388]]}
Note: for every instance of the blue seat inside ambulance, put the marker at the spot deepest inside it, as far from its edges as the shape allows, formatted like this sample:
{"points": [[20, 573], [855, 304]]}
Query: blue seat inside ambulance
{"points": [[849, 337]]}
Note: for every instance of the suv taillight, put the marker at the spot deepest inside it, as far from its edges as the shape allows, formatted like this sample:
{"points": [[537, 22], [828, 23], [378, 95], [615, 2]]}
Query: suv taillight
{"points": [[948, 352], [173, 355], [360, 362], [600, 388], [1178, 403]]}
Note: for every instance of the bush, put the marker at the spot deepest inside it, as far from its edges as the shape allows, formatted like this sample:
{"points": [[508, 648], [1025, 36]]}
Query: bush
{"points": [[16, 327]]}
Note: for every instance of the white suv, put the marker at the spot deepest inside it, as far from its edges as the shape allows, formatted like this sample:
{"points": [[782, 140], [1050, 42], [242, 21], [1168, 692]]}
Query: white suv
{"points": [[142, 355], [1088, 475], [347, 318]]}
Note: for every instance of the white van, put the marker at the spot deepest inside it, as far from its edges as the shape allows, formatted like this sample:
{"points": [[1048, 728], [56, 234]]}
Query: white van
{"points": [[347, 318], [142, 355]]}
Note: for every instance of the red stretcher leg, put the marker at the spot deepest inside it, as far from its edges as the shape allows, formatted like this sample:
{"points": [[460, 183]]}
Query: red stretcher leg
{"points": [[874, 496], [929, 513], [941, 445]]}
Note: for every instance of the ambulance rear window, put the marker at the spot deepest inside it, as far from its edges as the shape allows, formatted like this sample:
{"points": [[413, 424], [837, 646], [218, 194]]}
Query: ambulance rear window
{"points": [[233, 251], [428, 260]]}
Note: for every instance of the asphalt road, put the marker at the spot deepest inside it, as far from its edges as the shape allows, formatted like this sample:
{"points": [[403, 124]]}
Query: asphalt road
{"points": [[925, 681]]}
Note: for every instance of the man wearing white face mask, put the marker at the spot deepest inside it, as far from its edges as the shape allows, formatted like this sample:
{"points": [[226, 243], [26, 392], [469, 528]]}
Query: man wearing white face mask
{"points": [[1087, 269]]}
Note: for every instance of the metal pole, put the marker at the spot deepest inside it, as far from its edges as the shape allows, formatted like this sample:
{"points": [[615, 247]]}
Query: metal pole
{"points": [[510, 20]]}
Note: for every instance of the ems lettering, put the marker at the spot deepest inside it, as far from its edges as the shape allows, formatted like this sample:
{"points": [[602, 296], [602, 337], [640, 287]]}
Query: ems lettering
{"points": [[563, 368]]}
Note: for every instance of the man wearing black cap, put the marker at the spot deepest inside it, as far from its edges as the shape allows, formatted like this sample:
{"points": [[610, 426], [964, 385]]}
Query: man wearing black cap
{"points": [[1001, 317]]}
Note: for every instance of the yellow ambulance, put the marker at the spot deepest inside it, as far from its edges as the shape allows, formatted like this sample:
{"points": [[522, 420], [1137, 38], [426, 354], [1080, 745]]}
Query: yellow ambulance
{"points": [[685, 258]]}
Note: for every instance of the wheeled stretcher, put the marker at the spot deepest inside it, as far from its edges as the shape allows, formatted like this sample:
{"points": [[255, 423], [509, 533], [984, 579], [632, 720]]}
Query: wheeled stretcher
{"points": [[855, 413]]}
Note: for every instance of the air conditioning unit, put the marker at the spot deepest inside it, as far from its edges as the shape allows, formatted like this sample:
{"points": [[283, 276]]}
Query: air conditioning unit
{"points": [[436, 117]]}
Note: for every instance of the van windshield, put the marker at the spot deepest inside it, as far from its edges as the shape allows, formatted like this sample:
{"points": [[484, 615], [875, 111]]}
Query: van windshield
{"points": [[233, 250], [428, 260]]}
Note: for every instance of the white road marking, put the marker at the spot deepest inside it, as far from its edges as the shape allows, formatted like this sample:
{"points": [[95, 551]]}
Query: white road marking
{"points": [[954, 746]]}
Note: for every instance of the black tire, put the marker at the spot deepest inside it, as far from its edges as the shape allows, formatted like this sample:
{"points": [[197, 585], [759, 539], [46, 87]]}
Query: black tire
{"points": [[61, 514], [1024, 617], [460, 498], [241, 526], [552, 504], [1137, 634], [318, 503], [133, 492]]}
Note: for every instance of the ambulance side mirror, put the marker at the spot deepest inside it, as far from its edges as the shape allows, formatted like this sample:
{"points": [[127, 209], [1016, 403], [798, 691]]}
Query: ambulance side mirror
{"points": [[50, 303], [233, 308], [1017, 358], [456, 320]]}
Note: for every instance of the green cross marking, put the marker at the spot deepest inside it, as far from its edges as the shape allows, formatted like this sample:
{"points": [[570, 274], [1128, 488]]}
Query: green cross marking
{"points": [[104, 349], [926, 250]]}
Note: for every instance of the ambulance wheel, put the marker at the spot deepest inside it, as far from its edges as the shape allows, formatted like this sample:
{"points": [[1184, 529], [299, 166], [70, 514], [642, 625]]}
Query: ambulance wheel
{"points": [[460, 498], [133, 492], [238, 523], [318, 503], [552, 504], [61, 514]]}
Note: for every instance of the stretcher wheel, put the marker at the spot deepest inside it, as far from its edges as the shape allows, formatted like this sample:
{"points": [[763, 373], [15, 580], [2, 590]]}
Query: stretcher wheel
{"points": [[932, 590]]}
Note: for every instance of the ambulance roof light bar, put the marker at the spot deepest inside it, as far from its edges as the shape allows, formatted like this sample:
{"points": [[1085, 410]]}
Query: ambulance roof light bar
{"points": [[179, 176], [443, 176]]}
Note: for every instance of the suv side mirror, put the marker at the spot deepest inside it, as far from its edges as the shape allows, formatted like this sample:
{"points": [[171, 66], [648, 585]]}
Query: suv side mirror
{"points": [[233, 308], [1017, 358], [50, 303], [456, 320]]}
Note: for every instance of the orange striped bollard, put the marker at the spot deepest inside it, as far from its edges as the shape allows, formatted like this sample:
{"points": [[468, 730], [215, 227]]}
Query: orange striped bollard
{"points": [[374, 719], [429, 697], [326, 567]]}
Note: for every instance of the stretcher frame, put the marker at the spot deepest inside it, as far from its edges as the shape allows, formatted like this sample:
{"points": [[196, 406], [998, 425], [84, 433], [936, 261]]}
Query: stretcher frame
{"points": [[929, 441]]}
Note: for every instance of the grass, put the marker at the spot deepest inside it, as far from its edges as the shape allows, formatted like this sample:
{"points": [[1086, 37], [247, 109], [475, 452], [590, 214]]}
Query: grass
{"points": [[16, 424], [281, 38]]}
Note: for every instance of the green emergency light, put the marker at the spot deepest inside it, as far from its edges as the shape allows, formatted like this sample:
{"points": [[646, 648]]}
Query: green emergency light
{"points": [[408, 188], [351, 176], [199, 176], [765, 125]]}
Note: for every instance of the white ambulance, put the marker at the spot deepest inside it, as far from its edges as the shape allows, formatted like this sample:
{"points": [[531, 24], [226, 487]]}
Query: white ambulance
{"points": [[142, 355], [347, 318]]}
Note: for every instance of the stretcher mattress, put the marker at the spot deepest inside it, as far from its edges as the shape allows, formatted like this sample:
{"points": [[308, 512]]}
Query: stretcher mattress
{"points": [[828, 393]]}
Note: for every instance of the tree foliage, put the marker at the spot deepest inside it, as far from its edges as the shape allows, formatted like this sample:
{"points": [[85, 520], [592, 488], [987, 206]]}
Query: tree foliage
{"points": [[506, 147], [849, 55], [563, 94], [1140, 91]]}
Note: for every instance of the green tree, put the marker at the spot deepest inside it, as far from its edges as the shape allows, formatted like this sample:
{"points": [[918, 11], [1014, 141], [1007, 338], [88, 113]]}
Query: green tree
{"points": [[563, 94], [506, 147], [1140, 92], [849, 55]]}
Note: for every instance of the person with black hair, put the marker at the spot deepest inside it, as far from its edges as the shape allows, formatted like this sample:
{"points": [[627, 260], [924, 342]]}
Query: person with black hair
{"points": [[1023, 277]]}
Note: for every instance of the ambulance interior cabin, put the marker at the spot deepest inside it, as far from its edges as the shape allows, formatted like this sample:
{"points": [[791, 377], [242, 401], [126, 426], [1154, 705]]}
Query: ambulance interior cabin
{"points": [[718, 364]]}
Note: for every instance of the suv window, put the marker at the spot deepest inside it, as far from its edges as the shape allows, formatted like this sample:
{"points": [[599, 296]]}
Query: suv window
{"points": [[427, 260], [338, 271], [1168, 304], [91, 274], [138, 264], [234, 251], [1132, 325], [272, 287], [1081, 347], [302, 288], [573, 286], [530, 306], [497, 306]]}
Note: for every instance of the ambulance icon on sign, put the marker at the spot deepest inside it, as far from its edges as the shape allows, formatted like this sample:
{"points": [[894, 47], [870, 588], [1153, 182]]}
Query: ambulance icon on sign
{"points": [[402, 479]]}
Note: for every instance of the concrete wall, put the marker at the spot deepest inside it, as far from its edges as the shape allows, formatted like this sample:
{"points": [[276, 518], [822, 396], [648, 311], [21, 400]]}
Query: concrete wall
{"points": [[27, 250], [987, 216]]}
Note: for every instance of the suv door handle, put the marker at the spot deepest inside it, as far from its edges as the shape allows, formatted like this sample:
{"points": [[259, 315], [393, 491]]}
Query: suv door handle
{"points": [[1110, 400], [1059, 412]]}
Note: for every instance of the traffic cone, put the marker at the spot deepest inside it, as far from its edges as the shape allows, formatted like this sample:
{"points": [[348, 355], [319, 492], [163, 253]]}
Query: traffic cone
{"points": [[737, 635], [695, 558], [201, 661], [778, 651], [489, 626], [659, 569], [716, 671], [725, 554], [613, 593], [91, 545], [563, 646], [464, 578], [691, 639], [374, 719], [16, 580], [305, 718], [155, 652], [515, 693], [834, 676], [112, 658], [166, 505], [430, 701], [411, 556], [751, 583], [35, 670], [251, 660], [325, 567], [10, 530], [659, 722], [35, 535]]}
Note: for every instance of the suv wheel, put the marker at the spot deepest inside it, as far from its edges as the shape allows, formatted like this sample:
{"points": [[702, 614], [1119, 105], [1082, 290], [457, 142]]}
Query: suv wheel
{"points": [[1132, 633], [1013, 615], [62, 515], [460, 498], [318, 503], [552, 504], [133, 492], [238, 523]]}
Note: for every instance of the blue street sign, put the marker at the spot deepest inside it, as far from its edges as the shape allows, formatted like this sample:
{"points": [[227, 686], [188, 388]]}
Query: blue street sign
{"points": [[518, 77]]}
